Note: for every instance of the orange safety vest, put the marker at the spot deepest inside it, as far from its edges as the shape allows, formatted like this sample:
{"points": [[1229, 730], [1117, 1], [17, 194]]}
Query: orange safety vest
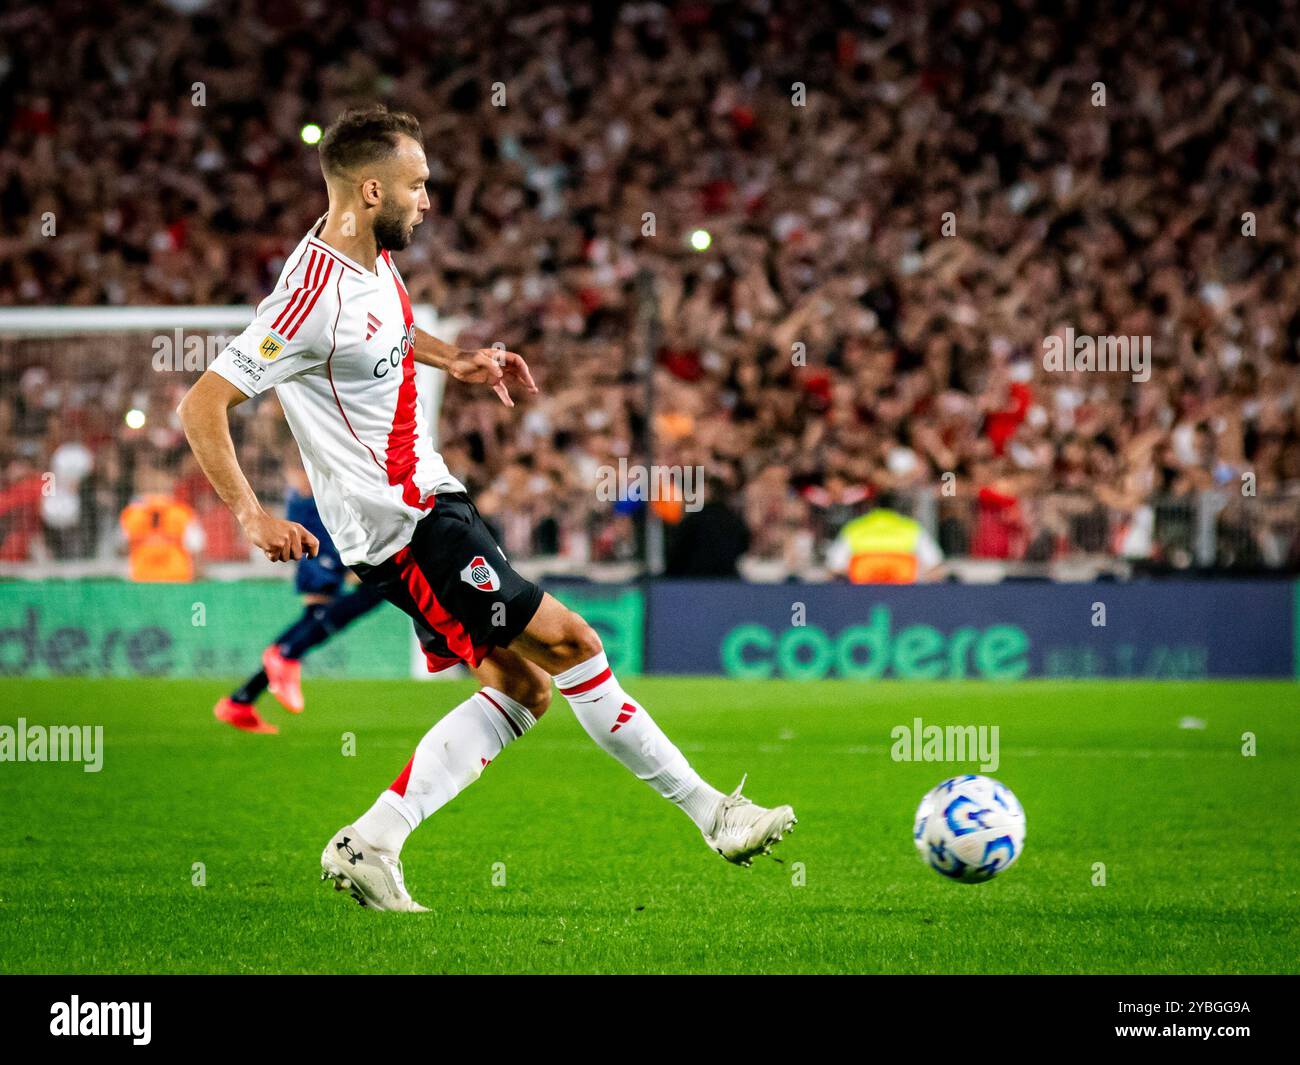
{"points": [[883, 548], [882, 568], [155, 532]]}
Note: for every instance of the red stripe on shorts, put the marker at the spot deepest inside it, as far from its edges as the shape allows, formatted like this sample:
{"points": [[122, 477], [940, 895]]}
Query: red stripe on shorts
{"points": [[435, 615]]}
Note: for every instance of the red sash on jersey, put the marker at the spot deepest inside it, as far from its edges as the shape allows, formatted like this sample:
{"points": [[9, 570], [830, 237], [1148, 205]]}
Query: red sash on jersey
{"points": [[400, 459]]}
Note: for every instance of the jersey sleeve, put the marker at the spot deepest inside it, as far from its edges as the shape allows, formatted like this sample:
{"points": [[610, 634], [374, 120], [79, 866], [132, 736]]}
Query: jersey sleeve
{"points": [[293, 330]]}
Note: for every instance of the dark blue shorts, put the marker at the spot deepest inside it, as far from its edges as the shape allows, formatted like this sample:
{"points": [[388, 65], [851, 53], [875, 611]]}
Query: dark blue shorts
{"points": [[322, 575]]}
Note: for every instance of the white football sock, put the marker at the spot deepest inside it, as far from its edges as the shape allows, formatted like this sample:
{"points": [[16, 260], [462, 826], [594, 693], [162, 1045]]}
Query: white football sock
{"points": [[624, 728], [449, 758]]}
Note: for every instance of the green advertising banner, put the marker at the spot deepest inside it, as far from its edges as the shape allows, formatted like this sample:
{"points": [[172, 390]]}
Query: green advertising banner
{"points": [[106, 628], [206, 629]]}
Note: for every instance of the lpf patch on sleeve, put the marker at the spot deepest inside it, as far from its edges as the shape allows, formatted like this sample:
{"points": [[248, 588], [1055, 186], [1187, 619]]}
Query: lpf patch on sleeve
{"points": [[270, 347]]}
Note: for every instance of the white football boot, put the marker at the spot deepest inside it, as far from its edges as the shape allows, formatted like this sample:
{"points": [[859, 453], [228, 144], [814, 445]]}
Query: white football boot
{"points": [[742, 830], [374, 877]]}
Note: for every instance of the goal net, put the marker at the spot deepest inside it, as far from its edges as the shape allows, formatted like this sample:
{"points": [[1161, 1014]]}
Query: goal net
{"points": [[92, 424]]}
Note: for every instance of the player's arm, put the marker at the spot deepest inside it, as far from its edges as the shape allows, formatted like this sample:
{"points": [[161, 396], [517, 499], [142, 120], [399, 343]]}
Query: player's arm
{"points": [[204, 414], [486, 366]]}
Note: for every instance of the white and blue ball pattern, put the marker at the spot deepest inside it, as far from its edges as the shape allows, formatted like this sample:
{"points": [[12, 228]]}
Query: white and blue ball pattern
{"points": [[969, 828]]}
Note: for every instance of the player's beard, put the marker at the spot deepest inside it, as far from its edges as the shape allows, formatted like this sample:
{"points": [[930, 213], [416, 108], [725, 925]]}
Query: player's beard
{"points": [[392, 233]]}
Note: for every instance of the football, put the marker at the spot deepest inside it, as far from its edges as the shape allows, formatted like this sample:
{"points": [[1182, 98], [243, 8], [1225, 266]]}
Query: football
{"points": [[969, 828]]}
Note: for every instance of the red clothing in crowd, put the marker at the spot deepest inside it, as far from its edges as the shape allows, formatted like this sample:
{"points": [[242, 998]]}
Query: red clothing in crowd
{"points": [[20, 507], [999, 526], [1001, 425]]}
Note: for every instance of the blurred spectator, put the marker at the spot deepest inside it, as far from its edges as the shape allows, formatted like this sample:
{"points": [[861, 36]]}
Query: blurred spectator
{"points": [[162, 535], [710, 541], [884, 547]]}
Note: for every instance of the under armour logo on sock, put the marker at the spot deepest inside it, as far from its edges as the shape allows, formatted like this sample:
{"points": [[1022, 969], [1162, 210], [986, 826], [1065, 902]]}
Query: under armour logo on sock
{"points": [[353, 856], [623, 718]]}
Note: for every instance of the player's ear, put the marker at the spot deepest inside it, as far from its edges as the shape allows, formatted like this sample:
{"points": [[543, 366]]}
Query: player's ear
{"points": [[372, 191]]}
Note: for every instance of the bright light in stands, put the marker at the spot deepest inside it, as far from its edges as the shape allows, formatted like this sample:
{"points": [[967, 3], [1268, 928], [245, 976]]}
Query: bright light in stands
{"points": [[135, 419], [700, 239], [310, 133]]}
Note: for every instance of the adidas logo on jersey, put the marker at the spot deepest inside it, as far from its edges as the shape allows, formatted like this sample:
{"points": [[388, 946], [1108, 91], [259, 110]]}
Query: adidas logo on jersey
{"points": [[372, 325], [480, 575]]}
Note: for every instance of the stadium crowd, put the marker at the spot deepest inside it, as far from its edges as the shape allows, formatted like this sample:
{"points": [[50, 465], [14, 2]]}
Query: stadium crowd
{"points": [[902, 205]]}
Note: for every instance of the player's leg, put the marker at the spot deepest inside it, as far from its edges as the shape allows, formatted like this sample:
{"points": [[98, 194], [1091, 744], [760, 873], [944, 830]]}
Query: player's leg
{"points": [[278, 672], [238, 708], [319, 581], [459, 614], [323, 616], [565, 646], [453, 754]]}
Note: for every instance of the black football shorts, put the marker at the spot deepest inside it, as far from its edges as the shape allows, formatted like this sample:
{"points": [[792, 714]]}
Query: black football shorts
{"points": [[454, 581]]}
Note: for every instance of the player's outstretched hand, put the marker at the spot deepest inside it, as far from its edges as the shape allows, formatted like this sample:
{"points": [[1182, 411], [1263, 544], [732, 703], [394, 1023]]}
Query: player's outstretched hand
{"points": [[281, 540], [492, 366]]}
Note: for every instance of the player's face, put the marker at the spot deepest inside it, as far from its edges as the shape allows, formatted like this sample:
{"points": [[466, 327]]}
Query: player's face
{"points": [[405, 199]]}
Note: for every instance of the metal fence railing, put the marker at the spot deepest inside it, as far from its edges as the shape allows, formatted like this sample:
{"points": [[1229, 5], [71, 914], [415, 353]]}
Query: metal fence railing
{"points": [[1214, 529]]}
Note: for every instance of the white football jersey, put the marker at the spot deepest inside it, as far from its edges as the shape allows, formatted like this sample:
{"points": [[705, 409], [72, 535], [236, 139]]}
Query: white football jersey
{"points": [[336, 341]]}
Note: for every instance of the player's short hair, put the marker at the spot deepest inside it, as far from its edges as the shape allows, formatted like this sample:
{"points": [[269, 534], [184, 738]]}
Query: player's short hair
{"points": [[364, 135]]}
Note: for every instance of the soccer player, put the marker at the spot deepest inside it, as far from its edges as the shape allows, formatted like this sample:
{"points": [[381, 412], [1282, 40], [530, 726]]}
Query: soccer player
{"points": [[337, 341], [327, 610]]}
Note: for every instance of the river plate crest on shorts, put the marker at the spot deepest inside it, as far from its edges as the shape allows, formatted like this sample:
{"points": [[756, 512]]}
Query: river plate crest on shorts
{"points": [[480, 575]]}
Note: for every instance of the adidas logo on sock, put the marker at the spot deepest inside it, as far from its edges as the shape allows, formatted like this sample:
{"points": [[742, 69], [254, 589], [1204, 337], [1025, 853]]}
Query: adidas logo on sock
{"points": [[624, 717]]}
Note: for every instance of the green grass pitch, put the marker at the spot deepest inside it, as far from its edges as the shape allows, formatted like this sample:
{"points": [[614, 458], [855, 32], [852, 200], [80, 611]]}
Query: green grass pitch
{"points": [[600, 875]]}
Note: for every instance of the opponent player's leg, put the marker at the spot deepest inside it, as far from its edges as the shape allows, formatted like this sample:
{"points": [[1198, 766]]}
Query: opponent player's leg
{"points": [[238, 707], [565, 646], [323, 617], [454, 753]]}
